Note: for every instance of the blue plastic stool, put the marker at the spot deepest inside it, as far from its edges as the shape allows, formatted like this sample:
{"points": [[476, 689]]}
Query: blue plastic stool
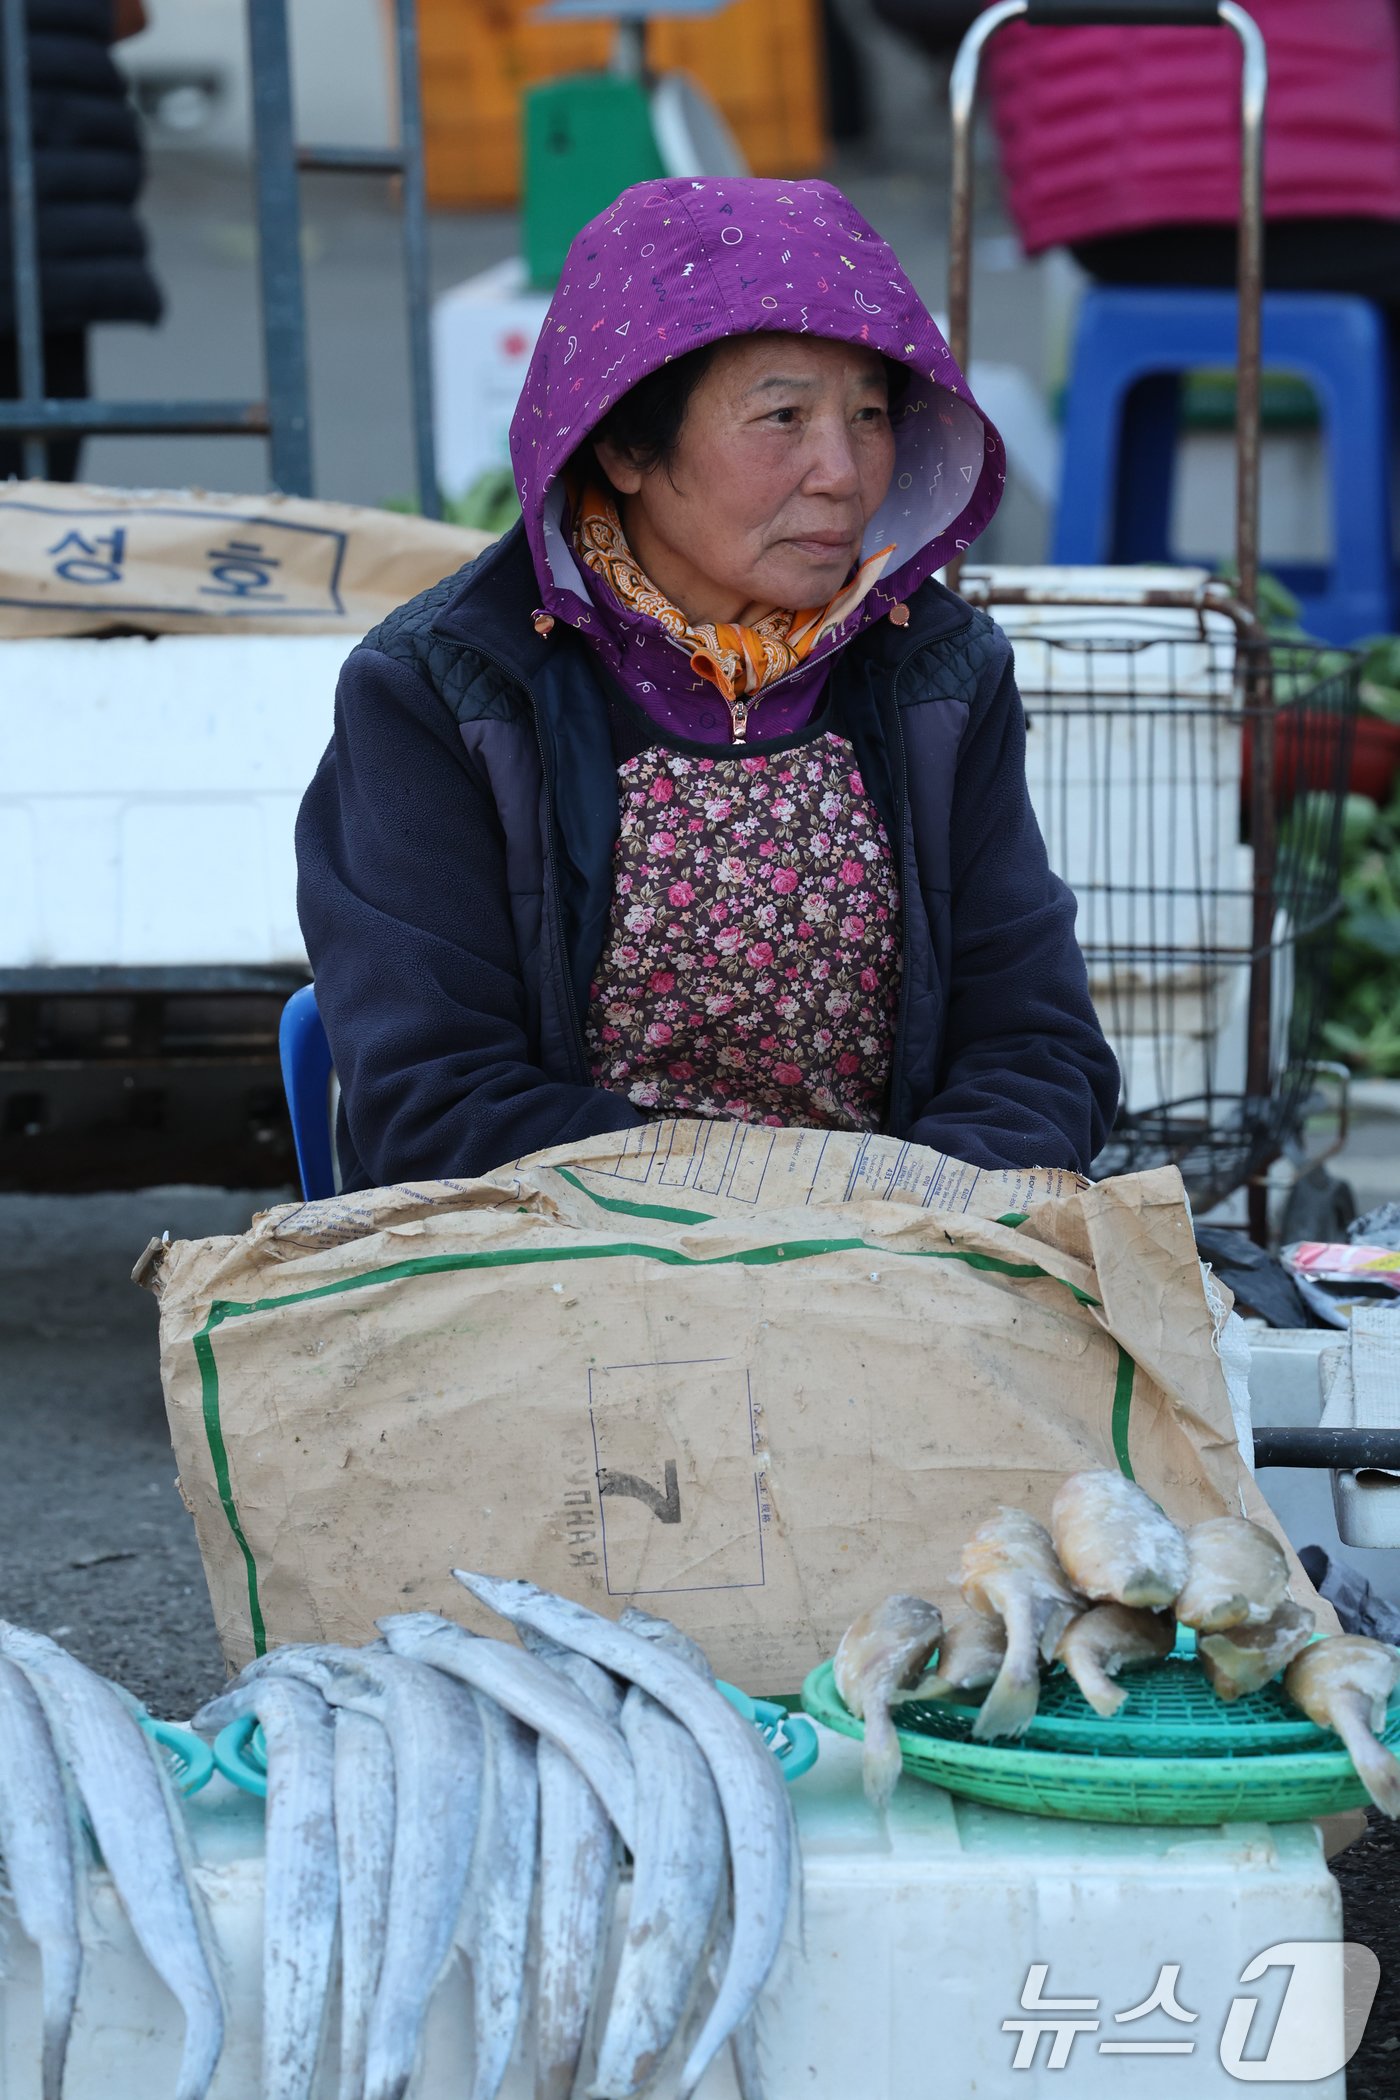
{"points": [[306, 1080], [1121, 432]]}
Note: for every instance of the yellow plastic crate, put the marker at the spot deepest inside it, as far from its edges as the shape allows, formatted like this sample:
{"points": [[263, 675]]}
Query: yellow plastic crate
{"points": [[761, 61]]}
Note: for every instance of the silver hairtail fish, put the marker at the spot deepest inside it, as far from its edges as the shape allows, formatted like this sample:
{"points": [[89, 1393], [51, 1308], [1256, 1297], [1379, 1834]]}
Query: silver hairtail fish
{"points": [[364, 1849], [39, 1850], [579, 1862], [743, 2043], [530, 1690], [120, 1776], [495, 1926], [752, 1793], [677, 1877], [301, 1886], [435, 1735]]}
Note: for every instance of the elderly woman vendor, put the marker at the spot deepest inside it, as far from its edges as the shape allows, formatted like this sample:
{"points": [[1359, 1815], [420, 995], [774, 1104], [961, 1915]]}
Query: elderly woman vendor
{"points": [[696, 794]]}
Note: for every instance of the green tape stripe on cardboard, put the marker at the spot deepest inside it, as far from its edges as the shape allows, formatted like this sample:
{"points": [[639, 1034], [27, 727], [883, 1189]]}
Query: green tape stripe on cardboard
{"points": [[213, 1430], [1122, 1411], [519, 1257], [667, 1213], [671, 1214]]}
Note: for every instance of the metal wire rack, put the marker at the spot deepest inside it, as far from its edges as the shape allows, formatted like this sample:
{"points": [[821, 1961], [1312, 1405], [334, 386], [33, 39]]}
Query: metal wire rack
{"points": [[1189, 775], [1188, 769]]}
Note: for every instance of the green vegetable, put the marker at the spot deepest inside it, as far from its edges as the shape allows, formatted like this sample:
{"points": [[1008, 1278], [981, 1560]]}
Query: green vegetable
{"points": [[1364, 1025], [489, 505], [1300, 670], [1276, 604]]}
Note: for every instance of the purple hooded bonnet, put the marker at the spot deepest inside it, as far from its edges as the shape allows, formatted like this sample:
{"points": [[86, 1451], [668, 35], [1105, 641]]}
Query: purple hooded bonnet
{"points": [[678, 263]]}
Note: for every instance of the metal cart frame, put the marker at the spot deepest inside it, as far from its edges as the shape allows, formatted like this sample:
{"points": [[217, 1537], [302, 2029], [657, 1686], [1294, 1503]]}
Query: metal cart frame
{"points": [[1254, 650]]}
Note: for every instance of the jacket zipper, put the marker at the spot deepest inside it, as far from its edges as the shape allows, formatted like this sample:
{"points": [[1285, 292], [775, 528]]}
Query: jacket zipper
{"points": [[901, 799], [553, 911], [900, 813], [739, 712]]}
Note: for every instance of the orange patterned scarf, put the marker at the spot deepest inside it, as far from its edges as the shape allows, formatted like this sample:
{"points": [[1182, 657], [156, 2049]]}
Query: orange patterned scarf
{"points": [[738, 660]]}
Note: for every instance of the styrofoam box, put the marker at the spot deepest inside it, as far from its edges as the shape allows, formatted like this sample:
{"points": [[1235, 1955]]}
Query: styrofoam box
{"points": [[1184, 1041], [1182, 1068], [149, 792], [150, 789], [484, 331], [1140, 796], [1157, 938], [1367, 1386], [920, 1938], [1367, 1509], [1193, 995]]}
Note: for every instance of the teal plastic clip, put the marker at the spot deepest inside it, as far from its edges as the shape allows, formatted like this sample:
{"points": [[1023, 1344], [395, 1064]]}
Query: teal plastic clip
{"points": [[188, 1757], [791, 1737]]}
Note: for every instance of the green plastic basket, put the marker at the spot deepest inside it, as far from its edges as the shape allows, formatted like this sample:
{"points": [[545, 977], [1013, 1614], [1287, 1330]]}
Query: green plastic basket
{"points": [[1089, 1786], [1170, 1711]]}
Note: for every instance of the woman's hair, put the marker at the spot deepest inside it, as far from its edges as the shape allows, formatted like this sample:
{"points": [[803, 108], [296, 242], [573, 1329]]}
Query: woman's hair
{"points": [[646, 422]]}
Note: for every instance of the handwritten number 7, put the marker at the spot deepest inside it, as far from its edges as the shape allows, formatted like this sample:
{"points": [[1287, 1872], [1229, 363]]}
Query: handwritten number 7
{"points": [[666, 1506]]}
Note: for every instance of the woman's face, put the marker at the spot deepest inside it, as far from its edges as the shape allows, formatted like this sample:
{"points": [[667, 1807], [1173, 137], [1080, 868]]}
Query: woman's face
{"points": [[785, 454]]}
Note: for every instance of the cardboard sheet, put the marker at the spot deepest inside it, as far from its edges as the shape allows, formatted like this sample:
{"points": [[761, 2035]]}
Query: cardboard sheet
{"points": [[84, 560], [750, 1379]]}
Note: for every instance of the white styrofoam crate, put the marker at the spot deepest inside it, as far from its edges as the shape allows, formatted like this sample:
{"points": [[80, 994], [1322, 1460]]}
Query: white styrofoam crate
{"points": [[1138, 797], [1144, 928], [149, 793], [150, 790], [1180, 1066], [1184, 1004], [484, 332], [1155, 863], [919, 1941]]}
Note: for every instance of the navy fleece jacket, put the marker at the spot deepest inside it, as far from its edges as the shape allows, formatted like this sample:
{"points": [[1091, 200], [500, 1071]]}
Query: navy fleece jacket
{"points": [[455, 856]]}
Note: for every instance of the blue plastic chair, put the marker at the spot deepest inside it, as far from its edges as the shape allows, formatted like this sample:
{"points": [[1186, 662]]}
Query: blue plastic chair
{"points": [[1121, 433], [306, 1081]]}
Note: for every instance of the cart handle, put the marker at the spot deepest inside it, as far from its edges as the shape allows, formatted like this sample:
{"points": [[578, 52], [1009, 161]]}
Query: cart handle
{"points": [[1329, 1450], [1122, 14], [1253, 91]]}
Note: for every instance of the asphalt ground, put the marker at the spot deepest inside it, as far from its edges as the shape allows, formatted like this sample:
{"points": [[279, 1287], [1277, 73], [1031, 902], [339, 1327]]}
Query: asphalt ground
{"points": [[1369, 1875], [95, 1545]]}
